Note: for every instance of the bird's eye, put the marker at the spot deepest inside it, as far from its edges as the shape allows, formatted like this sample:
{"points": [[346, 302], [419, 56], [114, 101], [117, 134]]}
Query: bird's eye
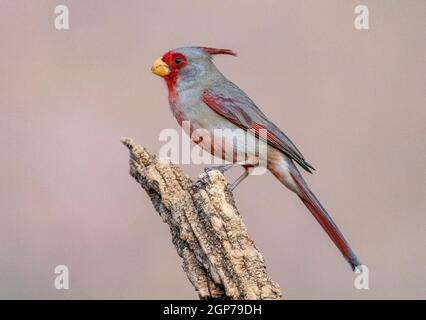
{"points": [[178, 60]]}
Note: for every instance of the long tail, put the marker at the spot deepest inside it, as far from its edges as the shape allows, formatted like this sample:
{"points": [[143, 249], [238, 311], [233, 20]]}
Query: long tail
{"points": [[290, 177]]}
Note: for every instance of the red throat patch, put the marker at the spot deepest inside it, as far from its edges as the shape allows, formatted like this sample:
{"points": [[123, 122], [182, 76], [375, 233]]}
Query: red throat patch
{"points": [[175, 61]]}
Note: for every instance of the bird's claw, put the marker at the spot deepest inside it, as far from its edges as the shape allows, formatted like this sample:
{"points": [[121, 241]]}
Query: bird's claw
{"points": [[221, 168]]}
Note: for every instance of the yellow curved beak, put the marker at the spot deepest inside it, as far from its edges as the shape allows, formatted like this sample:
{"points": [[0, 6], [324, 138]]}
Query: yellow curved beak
{"points": [[160, 68]]}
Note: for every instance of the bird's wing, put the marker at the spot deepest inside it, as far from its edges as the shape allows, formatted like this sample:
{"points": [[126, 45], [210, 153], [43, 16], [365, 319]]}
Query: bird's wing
{"points": [[232, 103]]}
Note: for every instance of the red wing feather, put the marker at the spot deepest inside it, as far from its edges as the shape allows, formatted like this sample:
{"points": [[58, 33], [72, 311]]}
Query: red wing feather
{"points": [[235, 111]]}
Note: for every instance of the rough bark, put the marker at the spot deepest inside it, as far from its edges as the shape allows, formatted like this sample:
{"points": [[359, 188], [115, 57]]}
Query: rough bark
{"points": [[219, 257]]}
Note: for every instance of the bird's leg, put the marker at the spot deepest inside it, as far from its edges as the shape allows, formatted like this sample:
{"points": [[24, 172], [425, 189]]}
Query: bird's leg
{"points": [[246, 164], [239, 179], [225, 167]]}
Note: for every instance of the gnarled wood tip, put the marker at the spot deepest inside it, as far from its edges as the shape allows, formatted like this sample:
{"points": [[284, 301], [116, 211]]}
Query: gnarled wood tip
{"points": [[128, 142]]}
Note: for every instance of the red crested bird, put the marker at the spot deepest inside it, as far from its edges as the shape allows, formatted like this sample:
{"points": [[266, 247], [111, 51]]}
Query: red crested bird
{"points": [[200, 94]]}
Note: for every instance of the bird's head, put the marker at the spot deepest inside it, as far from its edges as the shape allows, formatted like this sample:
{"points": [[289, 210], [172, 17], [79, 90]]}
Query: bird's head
{"points": [[187, 64]]}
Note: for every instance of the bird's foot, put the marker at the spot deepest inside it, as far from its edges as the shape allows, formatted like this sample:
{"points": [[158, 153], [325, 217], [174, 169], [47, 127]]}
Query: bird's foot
{"points": [[221, 168], [225, 167]]}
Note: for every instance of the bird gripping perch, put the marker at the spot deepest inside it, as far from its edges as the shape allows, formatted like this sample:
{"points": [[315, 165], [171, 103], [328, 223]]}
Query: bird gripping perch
{"points": [[219, 257]]}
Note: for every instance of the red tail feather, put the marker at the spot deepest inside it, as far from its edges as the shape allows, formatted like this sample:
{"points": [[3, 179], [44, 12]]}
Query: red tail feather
{"points": [[324, 219]]}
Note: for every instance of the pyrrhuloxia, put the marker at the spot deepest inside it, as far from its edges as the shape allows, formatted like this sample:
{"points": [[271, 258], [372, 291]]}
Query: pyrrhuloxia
{"points": [[200, 93]]}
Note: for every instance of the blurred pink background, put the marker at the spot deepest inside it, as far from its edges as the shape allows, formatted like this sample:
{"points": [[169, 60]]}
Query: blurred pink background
{"points": [[353, 101]]}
